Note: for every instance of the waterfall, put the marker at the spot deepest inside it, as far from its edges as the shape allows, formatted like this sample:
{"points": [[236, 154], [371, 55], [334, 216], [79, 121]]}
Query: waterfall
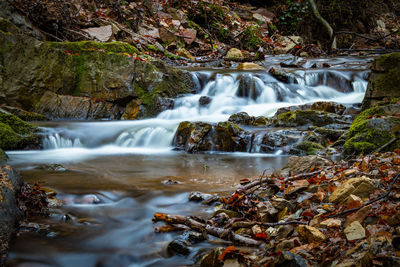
{"points": [[224, 93]]}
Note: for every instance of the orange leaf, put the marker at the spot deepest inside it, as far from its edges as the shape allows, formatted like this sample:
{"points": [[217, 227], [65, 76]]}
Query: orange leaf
{"points": [[261, 236], [228, 250]]}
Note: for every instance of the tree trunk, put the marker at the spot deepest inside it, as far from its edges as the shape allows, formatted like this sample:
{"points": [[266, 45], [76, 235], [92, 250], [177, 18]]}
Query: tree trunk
{"points": [[324, 23]]}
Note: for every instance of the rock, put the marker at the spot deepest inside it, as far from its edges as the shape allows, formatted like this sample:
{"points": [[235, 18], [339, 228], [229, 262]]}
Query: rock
{"points": [[204, 100], [292, 108], [163, 103], [288, 43], [234, 54], [211, 258], [354, 201], [195, 237], [182, 52], [132, 110], [108, 72], [149, 30], [17, 134], [279, 75], [297, 165], [166, 35], [369, 132], [189, 35], [51, 167], [60, 106], [103, 34], [384, 81], [256, 229], [331, 107], [249, 66], [230, 213], [247, 87], [331, 223], [307, 117], [197, 196], [287, 244], [260, 121], [281, 204], [198, 136], [354, 231], [360, 186], [241, 118], [290, 259], [10, 214], [178, 247], [341, 193], [23, 114], [284, 231], [310, 234], [306, 148], [359, 215]]}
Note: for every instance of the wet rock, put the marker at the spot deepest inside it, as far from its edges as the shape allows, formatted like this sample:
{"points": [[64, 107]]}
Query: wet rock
{"points": [[198, 196], [51, 167], [205, 100], [384, 80], [163, 103], [290, 259], [279, 75], [288, 43], [194, 237], [327, 134], [354, 231], [395, 219], [241, 118], [23, 114], [249, 66], [178, 247], [182, 52], [132, 110], [198, 136], [247, 87], [284, 231], [170, 182], [307, 117], [310, 234], [297, 165], [273, 141], [234, 54], [306, 148], [331, 107], [230, 213], [211, 258], [292, 108], [260, 121], [10, 183]]}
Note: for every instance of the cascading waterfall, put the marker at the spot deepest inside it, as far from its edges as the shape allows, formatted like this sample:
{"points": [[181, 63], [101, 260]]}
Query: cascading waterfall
{"points": [[257, 93]]}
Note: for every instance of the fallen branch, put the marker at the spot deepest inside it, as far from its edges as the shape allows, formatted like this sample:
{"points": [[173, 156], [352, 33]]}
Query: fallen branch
{"points": [[385, 195], [324, 23], [222, 233], [283, 223]]}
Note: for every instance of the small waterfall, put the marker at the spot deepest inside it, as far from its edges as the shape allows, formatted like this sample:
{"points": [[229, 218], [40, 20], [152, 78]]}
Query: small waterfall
{"points": [[258, 93]]}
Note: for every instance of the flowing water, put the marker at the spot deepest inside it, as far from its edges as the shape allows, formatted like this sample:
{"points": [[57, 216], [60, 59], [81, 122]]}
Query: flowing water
{"points": [[118, 173]]}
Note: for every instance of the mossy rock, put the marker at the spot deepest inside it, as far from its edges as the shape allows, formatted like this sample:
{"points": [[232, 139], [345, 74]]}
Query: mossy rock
{"points": [[384, 81], [307, 117], [3, 156], [15, 133], [372, 129], [306, 148]]}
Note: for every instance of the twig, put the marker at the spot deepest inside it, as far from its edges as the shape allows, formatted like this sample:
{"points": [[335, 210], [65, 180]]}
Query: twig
{"points": [[283, 223], [222, 233], [385, 195]]}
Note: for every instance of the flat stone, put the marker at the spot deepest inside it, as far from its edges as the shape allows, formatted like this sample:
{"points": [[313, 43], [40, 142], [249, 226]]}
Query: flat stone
{"points": [[354, 231], [331, 223], [354, 201], [102, 34], [310, 234], [359, 216], [281, 203]]}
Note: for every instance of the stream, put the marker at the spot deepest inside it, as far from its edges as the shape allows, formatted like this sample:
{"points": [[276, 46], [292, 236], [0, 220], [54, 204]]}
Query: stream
{"points": [[116, 174]]}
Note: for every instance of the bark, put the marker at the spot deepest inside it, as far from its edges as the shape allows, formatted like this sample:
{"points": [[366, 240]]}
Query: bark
{"points": [[324, 23]]}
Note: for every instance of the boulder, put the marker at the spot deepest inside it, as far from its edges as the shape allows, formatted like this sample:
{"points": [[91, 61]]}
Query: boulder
{"points": [[204, 100], [384, 81], [331, 107], [373, 129], [280, 75], [354, 231], [23, 114], [241, 118], [247, 87], [306, 148], [10, 183], [249, 66], [198, 136], [234, 54]]}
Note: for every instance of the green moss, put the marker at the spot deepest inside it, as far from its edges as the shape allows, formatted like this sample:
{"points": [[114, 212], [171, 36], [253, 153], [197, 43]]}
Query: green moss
{"points": [[367, 134], [93, 47], [3, 156], [389, 61], [307, 148], [16, 124], [8, 138], [304, 117]]}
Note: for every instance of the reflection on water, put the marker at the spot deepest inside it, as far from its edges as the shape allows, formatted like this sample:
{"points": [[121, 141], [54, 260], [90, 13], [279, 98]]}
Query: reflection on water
{"points": [[111, 199]]}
